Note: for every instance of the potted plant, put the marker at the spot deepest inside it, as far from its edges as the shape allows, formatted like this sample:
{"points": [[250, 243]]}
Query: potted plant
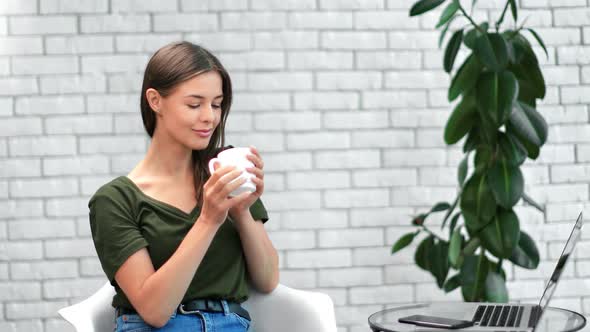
{"points": [[498, 85]]}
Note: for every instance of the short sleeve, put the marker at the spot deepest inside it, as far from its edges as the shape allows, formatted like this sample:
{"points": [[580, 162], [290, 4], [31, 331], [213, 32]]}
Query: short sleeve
{"points": [[116, 234], [258, 211]]}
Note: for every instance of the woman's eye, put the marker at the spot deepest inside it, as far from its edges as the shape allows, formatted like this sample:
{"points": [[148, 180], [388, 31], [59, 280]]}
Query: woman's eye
{"points": [[196, 106]]}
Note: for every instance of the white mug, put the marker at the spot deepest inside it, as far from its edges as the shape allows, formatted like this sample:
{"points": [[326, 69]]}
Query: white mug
{"points": [[236, 157]]}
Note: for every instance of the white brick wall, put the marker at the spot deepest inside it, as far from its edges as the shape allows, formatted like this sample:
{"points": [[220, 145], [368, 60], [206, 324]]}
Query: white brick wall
{"points": [[346, 100]]}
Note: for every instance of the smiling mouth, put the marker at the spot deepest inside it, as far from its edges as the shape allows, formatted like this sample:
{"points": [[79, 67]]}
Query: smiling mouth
{"points": [[203, 133]]}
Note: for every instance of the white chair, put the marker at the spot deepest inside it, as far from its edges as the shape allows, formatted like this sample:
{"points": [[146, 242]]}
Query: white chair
{"points": [[284, 309]]}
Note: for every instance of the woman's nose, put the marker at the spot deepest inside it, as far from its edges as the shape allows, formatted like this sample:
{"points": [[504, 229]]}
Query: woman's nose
{"points": [[207, 114]]}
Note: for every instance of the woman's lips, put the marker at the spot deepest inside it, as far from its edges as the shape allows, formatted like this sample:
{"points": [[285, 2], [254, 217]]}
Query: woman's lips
{"points": [[203, 133]]}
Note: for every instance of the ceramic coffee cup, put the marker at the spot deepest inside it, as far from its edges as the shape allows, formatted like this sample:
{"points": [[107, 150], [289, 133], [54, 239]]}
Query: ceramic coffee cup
{"points": [[236, 157]]}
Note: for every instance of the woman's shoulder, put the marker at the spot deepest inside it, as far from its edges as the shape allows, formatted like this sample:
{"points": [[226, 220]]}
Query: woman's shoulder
{"points": [[117, 189]]}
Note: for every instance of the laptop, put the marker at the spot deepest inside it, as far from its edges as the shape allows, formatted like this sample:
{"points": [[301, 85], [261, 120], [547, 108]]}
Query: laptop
{"points": [[512, 317]]}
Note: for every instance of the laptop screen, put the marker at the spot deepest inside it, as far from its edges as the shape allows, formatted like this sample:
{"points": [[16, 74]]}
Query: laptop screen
{"points": [[565, 255]]}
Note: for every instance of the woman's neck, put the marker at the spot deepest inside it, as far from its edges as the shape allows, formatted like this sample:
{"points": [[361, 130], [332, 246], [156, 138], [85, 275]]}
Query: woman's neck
{"points": [[171, 161]]}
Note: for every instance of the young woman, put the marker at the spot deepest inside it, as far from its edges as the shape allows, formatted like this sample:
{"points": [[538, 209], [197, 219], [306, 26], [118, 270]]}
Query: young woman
{"points": [[178, 250]]}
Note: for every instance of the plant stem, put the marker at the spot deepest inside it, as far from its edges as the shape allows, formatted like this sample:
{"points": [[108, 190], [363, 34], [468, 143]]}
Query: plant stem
{"points": [[431, 233], [501, 19], [451, 209], [470, 19], [471, 245]]}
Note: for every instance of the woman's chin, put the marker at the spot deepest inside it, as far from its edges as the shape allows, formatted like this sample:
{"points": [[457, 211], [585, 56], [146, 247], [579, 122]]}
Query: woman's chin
{"points": [[201, 145]]}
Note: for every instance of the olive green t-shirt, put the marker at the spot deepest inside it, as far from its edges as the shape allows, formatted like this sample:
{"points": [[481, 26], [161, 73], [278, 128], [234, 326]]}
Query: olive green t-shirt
{"points": [[124, 220]]}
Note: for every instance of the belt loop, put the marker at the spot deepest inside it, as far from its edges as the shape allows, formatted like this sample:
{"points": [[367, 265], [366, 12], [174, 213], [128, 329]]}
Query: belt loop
{"points": [[225, 307]]}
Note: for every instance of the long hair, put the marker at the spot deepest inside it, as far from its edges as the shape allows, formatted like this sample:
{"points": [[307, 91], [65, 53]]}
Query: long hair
{"points": [[171, 65]]}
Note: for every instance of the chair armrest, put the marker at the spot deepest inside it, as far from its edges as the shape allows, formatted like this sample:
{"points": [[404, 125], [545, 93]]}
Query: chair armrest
{"points": [[290, 310], [95, 314]]}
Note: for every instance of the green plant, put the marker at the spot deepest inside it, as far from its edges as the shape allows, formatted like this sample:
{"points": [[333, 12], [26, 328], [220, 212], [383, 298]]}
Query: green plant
{"points": [[499, 83]]}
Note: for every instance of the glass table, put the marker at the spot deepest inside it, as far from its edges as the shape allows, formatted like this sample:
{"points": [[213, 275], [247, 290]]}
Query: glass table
{"points": [[553, 320]]}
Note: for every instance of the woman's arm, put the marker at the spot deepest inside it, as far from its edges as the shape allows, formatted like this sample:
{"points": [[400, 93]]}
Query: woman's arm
{"points": [[261, 256], [156, 294]]}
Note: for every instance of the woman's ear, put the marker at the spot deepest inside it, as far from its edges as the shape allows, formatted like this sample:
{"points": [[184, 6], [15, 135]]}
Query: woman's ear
{"points": [[154, 99]]}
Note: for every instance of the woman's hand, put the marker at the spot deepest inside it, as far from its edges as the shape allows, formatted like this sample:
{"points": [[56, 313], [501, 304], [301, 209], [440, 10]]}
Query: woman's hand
{"points": [[243, 206], [216, 200]]}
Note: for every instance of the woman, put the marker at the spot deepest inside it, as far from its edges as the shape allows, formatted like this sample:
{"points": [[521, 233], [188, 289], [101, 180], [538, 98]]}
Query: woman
{"points": [[176, 248]]}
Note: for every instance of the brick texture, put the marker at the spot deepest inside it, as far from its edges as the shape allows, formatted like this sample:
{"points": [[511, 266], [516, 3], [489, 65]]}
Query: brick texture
{"points": [[346, 100]]}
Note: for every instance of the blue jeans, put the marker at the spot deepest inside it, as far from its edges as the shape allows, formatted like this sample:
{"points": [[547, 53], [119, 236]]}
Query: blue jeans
{"points": [[201, 321]]}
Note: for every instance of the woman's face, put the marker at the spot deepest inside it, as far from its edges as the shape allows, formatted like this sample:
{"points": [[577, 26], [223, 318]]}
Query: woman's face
{"points": [[192, 111]]}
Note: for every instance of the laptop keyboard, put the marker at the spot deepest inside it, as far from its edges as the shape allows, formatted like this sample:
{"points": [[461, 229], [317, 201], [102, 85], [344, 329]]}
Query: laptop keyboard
{"points": [[535, 313], [498, 315]]}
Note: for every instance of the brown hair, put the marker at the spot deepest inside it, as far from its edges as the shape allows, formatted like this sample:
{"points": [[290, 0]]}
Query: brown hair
{"points": [[171, 65]]}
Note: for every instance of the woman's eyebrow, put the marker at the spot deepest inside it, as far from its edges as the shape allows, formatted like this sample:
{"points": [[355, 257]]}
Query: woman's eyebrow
{"points": [[201, 97]]}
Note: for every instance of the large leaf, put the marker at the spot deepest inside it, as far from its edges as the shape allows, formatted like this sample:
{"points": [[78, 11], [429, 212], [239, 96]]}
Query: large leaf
{"points": [[539, 40], [462, 170], [521, 125], [452, 50], [423, 6], [455, 247], [472, 140], [527, 70], [496, 93], [537, 122], [492, 50], [501, 236], [529, 126], [483, 158], [473, 34], [449, 212], [453, 223], [477, 203], [497, 267], [452, 283], [506, 182], [495, 288], [530, 81], [520, 45], [448, 13], [512, 150], [422, 256], [461, 120], [403, 242], [440, 262], [514, 10], [466, 77], [526, 253], [440, 206], [445, 30], [474, 272]]}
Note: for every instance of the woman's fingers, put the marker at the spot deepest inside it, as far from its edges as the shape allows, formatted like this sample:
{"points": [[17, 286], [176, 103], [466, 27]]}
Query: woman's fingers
{"points": [[256, 171], [239, 199], [221, 171], [255, 158], [259, 185], [227, 181]]}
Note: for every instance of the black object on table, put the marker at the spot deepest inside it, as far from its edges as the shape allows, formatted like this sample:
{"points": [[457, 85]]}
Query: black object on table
{"points": [[553, 320]]}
